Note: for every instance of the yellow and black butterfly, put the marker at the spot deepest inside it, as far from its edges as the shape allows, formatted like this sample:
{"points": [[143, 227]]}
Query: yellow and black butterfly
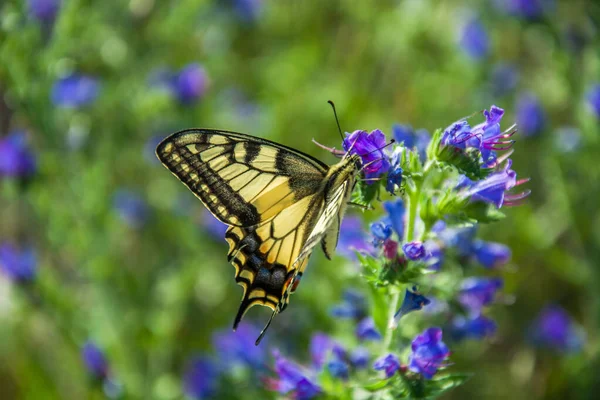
{"points": [[279, 204]]}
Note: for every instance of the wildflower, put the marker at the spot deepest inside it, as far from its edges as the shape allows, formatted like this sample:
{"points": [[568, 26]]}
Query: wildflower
{"points": [[388, 363], [414, 250], [592, 97], [396, 211], [18, 265], [434, 255], [353, 306], [474, 39], [359, 357], [366, 330], [381, 232], [338, 369], [75, 91], [200, 378], [422, 139], [477, 327], [404, 135], [428, 352], [554, 329], [460, 238], [490, 254], [390, 249], [212, 225], [531, 117], [248, 10], [504, 78], [526, 9], [131, 208], [413, 300], [293, 380], [190, 84], [94, 360], [352, 238], [369, 146], [237, 348], [394, 177], [16, 158], [43, 10], [475, 293], [322, 347]]}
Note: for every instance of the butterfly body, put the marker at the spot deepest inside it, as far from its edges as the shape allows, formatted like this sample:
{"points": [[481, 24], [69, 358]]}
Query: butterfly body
{"points": [[279, 204]]}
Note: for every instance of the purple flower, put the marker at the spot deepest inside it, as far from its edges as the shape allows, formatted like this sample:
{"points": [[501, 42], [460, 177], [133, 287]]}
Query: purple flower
{"points": [[212, 225], [369, 146], [474, 39], [75, 91], [554, 329], [490, 254], [18, 265], [413, 300], [390, 249], [360, 357], [16, 158], [504, 79], [414, 250], [353, 238], [477, 327], [353, 306], [567, 139], [526, 9], [475, 293], [592, 97], [237, 348], [293, 380], [322, 347], [131, 208], [395, 210], [94, 360], [43, 10], [248, 10], [388, 363], [190, 84], [428, 352], [531, 117], [366, 330], [200, 378]]}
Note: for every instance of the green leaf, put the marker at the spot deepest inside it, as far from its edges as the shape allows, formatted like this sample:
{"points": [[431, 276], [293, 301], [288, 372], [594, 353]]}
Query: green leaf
{"points": [[483, 212], [364, 194], [377, 386]]}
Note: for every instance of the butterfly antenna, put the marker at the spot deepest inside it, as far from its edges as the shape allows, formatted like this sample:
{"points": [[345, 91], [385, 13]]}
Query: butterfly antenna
{"points": [[262, 333], [337, 121], [392, 141]]}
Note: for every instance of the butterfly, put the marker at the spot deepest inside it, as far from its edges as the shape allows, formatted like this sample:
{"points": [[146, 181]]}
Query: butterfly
{"points": [[279, 204]]}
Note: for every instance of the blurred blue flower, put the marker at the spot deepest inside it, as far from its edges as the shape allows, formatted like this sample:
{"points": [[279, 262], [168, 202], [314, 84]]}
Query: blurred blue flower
{"points": [[200, 378], [238, 349], [531, 117], [475, 293], [422, 139], [359, 357], [404, 135], [477, 327], [43, 10], [75, 91], [567, 139], [490, 254], [338, 369], [369, 146], [322, 347], [293, 380], [460, 239], [190, 84], [526, 9], [353, 306], [434, 255], [413, 300], [592, 97], [248, 10], [18, 264], [504, 78], [428, 352], [381, 232], [131, 208], [414, 250], [16, 158], [396, 210], [554, 329], [388, 363], [474, 39], [212, 225], [94, 360], [366, 330], [353, 238]]}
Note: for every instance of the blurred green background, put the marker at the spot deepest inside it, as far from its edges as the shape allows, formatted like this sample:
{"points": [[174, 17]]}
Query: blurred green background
{"points": [[127, 258]]}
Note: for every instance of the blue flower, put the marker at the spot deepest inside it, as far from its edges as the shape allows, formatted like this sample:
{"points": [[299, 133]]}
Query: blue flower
{"points": [[212, 225], [237, 348], [434, 255], [293, 380], [531, 118], [474, 39], [414, 250], [338, 369], [43, 10], [75, 91], [353, 238], [190, 84], [592, 97], [477, 327], [475, 293], [359, 357], [394, 178], [353, 306], [200, 378], [526, 9], [16, 158], [131, 208], [388, 363], [554, 329], [366, 330], [94, 360], [428, 352], [321, 347], [404, 135], [460, 239], [18, 265], [381, 232], [413, 300], [396, 211], [504, 78], [422, 139], [369, 146], [248, 10], [490, 254]]}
